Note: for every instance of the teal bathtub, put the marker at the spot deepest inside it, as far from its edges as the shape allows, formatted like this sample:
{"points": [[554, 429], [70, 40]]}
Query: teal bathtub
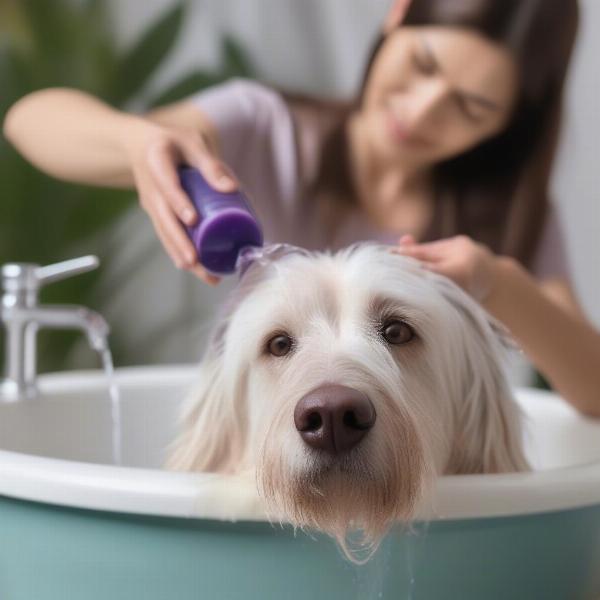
{"points": [[74, 526]]}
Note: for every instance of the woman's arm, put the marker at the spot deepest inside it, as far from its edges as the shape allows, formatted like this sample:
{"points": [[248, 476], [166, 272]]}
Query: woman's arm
{"points": [[553, 332], [545, 319], [73, 136]]}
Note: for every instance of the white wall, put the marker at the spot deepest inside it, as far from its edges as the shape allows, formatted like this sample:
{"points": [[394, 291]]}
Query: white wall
{"points": [[320, 46], [577, 180], [312, 45]]}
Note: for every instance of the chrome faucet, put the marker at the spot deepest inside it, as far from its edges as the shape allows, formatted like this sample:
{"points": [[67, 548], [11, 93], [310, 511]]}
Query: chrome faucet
{"points": [[22, 317]]}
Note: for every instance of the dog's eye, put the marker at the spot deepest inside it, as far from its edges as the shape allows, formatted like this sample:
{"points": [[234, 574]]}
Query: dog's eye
{"points": [[279, 345], [397, 332]]}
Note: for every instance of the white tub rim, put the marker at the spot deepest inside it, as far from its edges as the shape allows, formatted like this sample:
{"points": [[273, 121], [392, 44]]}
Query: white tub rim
{"points": [[228, 498]]}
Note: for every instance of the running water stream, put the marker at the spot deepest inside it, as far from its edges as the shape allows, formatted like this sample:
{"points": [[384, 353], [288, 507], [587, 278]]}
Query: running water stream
{"points": [[115, 405]]}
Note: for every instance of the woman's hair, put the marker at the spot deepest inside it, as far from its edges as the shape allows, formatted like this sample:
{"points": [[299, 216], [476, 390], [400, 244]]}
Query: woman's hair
{"points": [[496, 192]]}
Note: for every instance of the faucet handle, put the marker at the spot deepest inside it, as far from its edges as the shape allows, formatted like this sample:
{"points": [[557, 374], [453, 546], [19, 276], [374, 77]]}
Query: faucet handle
{"points": [[64, 269]]}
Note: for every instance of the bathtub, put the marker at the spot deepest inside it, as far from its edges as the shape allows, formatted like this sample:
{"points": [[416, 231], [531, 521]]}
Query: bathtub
{"points": [[74, 526]]}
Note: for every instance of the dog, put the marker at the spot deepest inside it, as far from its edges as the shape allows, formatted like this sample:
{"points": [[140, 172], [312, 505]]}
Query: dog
{"points": [[346, 383]]}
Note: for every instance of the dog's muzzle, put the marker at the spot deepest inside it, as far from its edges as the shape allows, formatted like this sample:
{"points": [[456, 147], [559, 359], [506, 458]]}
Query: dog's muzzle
{"points": [[334, 418]]}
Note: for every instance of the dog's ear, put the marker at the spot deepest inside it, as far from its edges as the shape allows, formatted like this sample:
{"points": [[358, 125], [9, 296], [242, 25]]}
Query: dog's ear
{"points": [[488, 421], [211, 425], [211, 433]]}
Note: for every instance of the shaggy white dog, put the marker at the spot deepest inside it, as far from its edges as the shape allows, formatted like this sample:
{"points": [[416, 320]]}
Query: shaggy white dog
{"points": [[346, 383]]}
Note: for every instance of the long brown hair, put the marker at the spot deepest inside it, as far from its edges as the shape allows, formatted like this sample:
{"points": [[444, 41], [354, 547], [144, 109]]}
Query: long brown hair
{"points": [[497, 192]]}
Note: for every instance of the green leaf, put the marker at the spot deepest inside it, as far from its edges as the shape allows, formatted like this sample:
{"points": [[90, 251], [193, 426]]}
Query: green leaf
{"points": [[235, 59], [540, 381], [186, 86], [141, 61]]}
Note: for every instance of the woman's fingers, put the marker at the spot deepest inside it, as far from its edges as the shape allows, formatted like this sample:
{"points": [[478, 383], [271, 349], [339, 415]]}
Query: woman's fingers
{"points": [[406, 240], [175, 234], [175, 253], [430, 251], [147, 198], [216, 173], [170, 230], [421, 252], [169, 247], [161, 163], [203, 274]]}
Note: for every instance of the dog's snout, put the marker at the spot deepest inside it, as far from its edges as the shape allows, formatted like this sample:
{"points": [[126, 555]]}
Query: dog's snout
{"points": [[334, 418]]}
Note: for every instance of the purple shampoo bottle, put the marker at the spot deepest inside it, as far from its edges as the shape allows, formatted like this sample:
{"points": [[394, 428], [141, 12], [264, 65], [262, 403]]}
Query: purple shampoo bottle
{"points": [[226, 224]]}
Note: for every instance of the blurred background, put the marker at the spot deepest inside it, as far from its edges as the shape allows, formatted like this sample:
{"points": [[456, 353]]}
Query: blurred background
{"points": [[136, 55]]}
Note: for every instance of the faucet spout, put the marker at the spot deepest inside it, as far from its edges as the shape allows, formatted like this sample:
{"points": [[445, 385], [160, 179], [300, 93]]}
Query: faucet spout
{"points": [[22, 317], [70, 316]]}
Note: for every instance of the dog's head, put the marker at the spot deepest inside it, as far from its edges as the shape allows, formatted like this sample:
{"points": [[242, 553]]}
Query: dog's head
{"points": [[349, 381]]}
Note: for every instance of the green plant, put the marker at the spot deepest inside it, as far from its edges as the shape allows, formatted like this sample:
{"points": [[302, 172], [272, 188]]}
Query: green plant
{"points": [[69, 43]]}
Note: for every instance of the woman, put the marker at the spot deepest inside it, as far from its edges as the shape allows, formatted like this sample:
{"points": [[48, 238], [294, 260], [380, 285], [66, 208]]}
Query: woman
{"points": [[448, 148]]}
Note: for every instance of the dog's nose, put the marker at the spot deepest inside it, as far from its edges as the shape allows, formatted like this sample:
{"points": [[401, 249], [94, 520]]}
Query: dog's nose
{"points": [[334, 418]]}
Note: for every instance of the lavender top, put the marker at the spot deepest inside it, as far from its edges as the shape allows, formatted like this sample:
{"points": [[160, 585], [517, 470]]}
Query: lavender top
{"points": [[256, 137]]}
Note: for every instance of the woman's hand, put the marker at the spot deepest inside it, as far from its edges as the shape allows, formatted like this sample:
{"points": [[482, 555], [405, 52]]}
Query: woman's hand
{"points": [[73, 136], [155, 152], [469, 264]]}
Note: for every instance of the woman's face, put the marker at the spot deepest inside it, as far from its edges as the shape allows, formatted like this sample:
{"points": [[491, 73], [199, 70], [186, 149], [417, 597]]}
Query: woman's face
{"points": [[436, 91]]}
